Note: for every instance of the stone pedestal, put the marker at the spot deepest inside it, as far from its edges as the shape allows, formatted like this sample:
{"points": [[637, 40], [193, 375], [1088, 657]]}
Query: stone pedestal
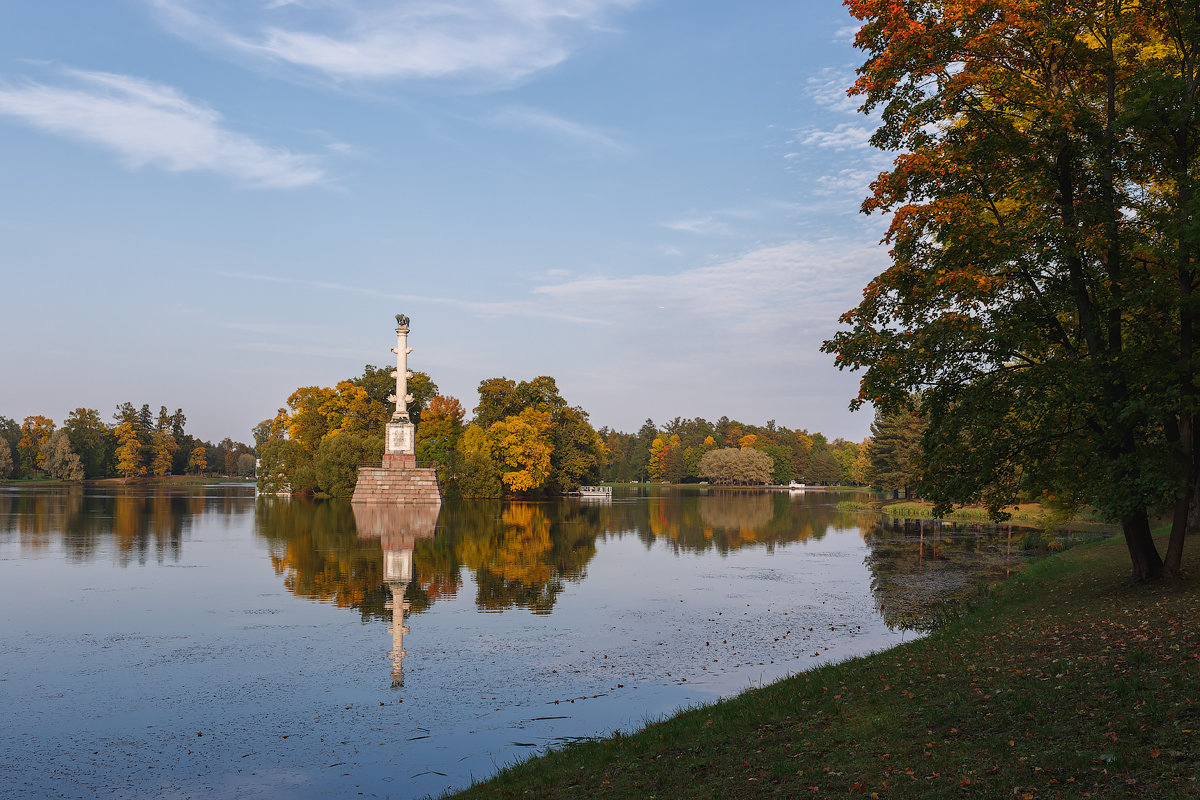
{"points": [[399, 461], [401, 437]]}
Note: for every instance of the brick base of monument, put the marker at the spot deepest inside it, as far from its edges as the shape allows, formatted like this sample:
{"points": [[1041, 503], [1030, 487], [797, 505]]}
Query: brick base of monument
{"points": [[399, 480]]}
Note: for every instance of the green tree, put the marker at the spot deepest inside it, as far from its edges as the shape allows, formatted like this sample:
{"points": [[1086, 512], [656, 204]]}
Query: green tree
{"points": [[894, 453], [578, 452], [335, 464], [281, 461], [6, 460], [497, 399], [93, 440]]}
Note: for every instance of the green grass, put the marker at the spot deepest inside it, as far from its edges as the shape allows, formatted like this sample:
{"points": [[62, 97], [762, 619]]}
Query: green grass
{"points": [[1065, 682], [1026, 513]]}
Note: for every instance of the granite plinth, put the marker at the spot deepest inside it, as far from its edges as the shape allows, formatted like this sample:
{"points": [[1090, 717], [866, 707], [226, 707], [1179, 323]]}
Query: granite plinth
{"points": [[396, 484]]}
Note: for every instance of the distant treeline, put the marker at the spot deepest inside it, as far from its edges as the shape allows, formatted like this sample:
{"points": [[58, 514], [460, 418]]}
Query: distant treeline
{"points": [[525, 439], [138, 443], [676, 452]]}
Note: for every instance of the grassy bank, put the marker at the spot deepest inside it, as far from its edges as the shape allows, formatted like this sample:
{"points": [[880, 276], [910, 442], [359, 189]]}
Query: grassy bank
{"points": [[1066, 682], [1034, 514]]}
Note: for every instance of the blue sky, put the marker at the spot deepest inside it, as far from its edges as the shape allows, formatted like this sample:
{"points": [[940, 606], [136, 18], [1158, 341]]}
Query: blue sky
{"points": [[208, 203]]}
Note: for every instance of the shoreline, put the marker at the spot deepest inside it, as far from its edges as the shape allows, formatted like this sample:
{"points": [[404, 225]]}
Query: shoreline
{"points": [[1066, 681]]}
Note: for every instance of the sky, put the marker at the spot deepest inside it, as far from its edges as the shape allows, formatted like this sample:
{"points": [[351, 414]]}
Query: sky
{"points": [[205, 204]]}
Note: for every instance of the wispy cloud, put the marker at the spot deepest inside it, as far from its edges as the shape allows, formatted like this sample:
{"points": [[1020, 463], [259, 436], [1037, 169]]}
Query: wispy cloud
{"points": [[489, 40], [846, 34], [851, 181], [701, 226], [557, 127], [715, 223], [846, 136], [147, 123], [479, 308], [828, 90], [767, 292]]}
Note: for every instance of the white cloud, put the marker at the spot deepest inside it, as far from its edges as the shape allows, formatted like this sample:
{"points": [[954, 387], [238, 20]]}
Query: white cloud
{"points": [[846, 136], [489, 40], [828, 89], [846, 34], [148, 123], [767, 292], [851, 181], [544, 122], [478, 308], [701, 226]]}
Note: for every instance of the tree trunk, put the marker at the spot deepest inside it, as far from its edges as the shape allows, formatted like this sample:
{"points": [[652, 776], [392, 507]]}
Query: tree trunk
{"points": [[1147, 564]]}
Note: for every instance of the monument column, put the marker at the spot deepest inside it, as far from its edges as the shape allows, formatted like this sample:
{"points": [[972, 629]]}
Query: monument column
{"points": [[398, 479], [400, 449]]}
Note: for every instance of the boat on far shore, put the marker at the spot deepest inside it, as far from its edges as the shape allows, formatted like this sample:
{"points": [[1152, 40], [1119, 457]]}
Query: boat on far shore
{"points": [[796, 485], [593, 492]]}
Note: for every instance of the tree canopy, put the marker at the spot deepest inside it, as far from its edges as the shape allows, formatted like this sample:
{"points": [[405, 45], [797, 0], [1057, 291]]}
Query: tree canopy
{"points": [[1042, 290]]}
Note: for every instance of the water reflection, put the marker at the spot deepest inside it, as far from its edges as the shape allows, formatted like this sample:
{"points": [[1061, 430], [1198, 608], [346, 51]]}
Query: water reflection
{"points": [[520, 554], [316, 548], [137, 524], [398, 528], [922, 570]]}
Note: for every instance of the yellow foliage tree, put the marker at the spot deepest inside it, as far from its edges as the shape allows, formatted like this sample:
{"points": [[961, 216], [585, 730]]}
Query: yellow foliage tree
{"points": [[197, 460], [35, 432], [164, 449], [521, 448], [307, 423], [129, 451]]}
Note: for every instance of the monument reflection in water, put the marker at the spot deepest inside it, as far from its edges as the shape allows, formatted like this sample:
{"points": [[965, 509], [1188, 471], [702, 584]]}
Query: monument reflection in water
{"points": [[398, 528]]}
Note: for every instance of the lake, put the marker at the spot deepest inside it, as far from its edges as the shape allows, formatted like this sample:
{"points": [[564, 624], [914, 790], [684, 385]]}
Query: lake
{"points": [[202, 642]]}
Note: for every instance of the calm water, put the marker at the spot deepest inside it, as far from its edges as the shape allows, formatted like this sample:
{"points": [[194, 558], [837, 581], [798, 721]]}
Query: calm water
{"points": [[205, 643]]}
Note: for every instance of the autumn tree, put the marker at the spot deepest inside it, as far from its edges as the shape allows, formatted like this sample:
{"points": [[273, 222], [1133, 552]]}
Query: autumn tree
{"points": [[440, 427], [163, 448], [197, 461], [129, 450], [521, 449], [35, 432], [1043, 269], [6, 460]]}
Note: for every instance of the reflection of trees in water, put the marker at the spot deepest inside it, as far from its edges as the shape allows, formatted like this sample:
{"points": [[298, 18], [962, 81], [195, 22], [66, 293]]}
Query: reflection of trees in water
{"points": [[520, 553], [921, 570], [727, 520], [141, 521], [315, 546]]}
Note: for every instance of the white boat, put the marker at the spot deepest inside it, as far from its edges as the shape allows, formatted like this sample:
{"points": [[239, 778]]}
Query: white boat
{"points": [[795, 485], [595, 491]]}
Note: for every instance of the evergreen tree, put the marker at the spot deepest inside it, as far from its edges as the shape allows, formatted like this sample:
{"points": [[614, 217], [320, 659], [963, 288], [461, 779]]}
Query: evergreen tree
{"points": [[895, 450]]}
